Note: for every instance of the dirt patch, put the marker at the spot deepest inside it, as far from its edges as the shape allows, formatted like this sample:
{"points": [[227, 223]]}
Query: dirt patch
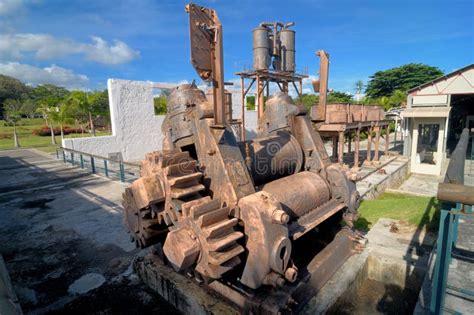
{"points": [[374, 297]]}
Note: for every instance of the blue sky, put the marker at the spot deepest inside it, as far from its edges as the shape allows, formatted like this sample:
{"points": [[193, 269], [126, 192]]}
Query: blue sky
{"points": [[79, 44]]}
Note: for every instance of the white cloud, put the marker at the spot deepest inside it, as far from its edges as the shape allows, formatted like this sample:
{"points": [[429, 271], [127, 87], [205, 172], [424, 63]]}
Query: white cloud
{"points": [[45, 46], [100, 51], [53, 74], [9, 7]]}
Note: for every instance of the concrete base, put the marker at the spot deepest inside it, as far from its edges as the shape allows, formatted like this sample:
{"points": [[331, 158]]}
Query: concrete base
{"points": [[375, 180], [390, 277], [396, 257], [184, 294]]}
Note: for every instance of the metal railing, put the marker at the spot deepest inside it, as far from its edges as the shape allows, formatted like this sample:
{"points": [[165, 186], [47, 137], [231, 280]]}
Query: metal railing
{"points": [[108, 167], [457, 201]]}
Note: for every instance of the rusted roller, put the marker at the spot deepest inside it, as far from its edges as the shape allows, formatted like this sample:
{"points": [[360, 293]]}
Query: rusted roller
{"points": [[299, 193], [273, 157]]}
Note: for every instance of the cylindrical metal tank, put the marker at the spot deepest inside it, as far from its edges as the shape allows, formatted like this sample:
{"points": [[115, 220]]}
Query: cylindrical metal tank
{"points": [[287, 39], [299, 193], [261, 48], [227, 102], [273, 157]]}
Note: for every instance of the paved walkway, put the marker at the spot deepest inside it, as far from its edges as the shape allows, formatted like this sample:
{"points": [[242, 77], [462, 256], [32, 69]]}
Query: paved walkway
{"points": [[63, 241], [419, 185]]}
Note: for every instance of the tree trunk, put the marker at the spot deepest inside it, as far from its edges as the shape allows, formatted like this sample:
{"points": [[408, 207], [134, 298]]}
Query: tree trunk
{"points": [[91, 122], [62, 134], [53, 138], [15, 137]]}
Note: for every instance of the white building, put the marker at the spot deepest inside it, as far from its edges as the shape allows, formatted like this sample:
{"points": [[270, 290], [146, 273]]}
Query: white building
{"points": [[436, 114]]}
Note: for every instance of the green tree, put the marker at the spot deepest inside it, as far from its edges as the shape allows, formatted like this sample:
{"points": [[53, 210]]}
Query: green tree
{"points": [[359, 85], [46, 108], [48, 91], [397, 99], [62, 115], [250, 102], [307, 100], [90, 103], [11, 88], [159, 103], [13, 114], [385, 83], [29, 108], [339, 97]]}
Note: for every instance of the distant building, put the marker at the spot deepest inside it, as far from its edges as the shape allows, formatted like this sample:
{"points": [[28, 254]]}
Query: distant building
{"points": [[436, 114]]}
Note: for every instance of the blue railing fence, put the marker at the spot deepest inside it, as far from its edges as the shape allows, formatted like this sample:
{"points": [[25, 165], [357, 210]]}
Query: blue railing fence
{"points": [[108, 167]]}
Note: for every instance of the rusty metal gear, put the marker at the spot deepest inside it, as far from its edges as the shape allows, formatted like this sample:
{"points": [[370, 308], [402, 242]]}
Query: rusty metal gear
{"points": [[204, 235], [143, 228], [201, 232]]}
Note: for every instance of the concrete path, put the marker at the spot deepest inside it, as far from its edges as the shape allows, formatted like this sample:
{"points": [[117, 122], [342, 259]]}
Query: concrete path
{"points": [[419, 185], [63, 241]]}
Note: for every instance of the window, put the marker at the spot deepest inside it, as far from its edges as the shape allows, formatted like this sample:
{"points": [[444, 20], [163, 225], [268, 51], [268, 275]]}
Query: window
{"points": [[427, 145]]}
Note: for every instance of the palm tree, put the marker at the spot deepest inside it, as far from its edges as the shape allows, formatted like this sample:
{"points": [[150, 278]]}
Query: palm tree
{"points": [[384, 101], [13, 114], [359, 85], [85, 102], [61, 115], [46, 109]]}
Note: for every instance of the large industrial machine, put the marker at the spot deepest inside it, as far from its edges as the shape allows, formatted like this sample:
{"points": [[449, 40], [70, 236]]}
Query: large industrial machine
{"points": [[265, 222]]}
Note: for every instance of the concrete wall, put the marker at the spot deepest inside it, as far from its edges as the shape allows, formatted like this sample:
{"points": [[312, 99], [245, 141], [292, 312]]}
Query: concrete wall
{"points": [[136, 130]]}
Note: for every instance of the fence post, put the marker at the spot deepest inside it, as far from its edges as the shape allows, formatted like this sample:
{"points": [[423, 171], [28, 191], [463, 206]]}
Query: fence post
{"points": [[57, 154], [64, 156], [443, 258], [106, 170], [92, 165], [72, 158], [82, 160], [122, 172]]}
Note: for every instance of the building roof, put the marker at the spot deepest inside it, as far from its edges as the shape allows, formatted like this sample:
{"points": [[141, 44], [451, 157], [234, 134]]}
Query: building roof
{"points": [[444, 77]]}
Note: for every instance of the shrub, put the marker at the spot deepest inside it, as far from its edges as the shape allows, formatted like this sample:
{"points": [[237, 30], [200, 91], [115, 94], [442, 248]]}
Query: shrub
{"points": [[46, 131]]}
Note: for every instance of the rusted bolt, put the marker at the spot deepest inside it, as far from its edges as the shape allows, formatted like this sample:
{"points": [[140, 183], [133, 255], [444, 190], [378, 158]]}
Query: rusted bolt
{"points": [[291, 274], [280, 216], [274, 279]]}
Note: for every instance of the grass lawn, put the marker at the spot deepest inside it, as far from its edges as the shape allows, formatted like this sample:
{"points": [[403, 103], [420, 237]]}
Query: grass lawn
{"points": [[29, 140], [420, 212]]}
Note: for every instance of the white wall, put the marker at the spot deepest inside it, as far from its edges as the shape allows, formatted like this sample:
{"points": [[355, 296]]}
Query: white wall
{"points": [[136, 130], [250, 115]]}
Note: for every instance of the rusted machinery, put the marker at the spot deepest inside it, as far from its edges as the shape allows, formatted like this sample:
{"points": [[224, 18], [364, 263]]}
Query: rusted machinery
{"points": [[341, 121], [266, 222]]}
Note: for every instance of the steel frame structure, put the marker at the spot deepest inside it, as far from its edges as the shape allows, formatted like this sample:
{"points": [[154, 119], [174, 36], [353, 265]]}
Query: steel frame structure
{"points": [[263, 78]]}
